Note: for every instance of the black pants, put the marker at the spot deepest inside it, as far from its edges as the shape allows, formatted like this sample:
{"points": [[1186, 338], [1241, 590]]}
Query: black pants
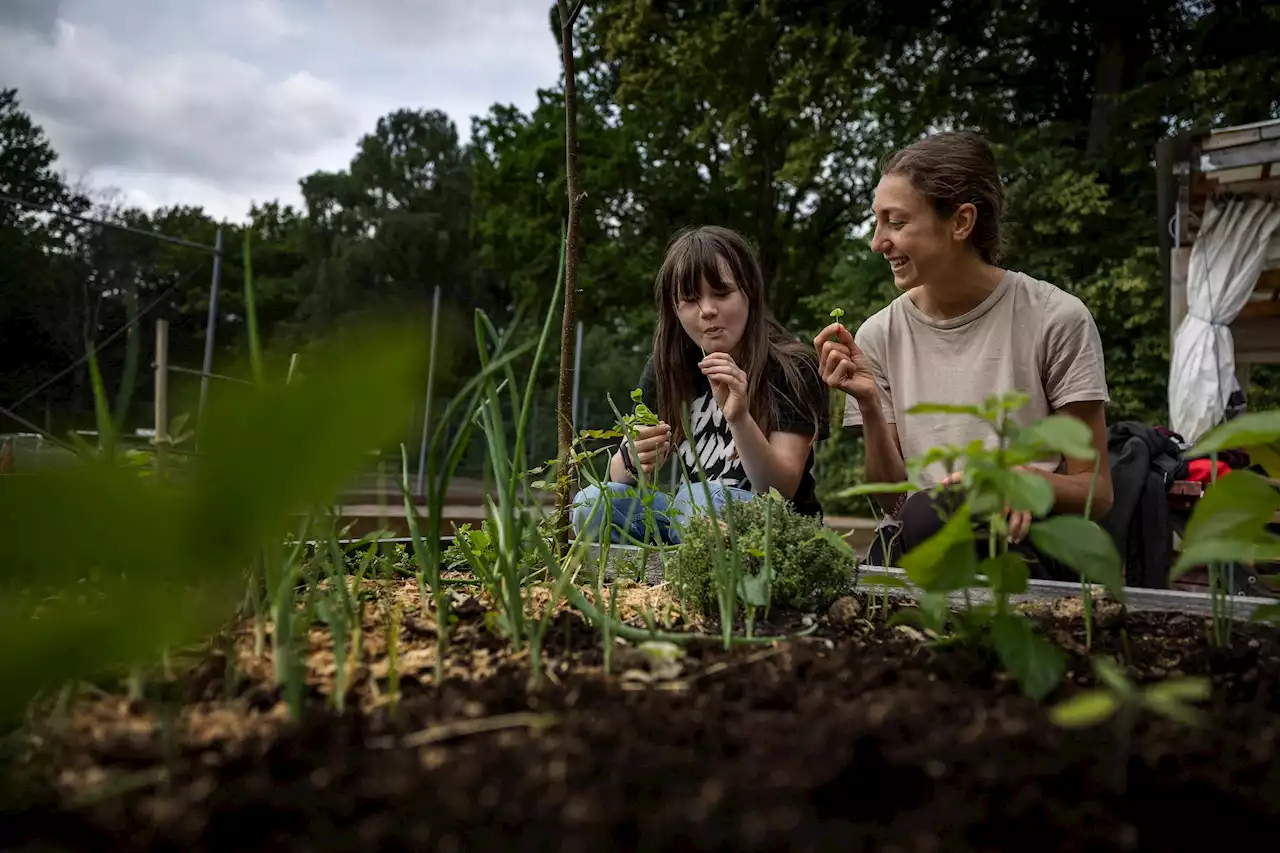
{"points": [[920, 519]]}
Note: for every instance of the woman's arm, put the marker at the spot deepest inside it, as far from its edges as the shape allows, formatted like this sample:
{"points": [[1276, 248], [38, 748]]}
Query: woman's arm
{"points": [[884, 463], [1071, 489]]}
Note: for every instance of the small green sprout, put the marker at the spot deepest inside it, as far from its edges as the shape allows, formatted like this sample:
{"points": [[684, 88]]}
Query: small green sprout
{"points": [[837, 313], [1170, 699]]}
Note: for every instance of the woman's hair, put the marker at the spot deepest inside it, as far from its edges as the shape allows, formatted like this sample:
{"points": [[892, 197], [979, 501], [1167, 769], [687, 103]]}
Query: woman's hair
{"points": [[953, 168], [695, 254]]}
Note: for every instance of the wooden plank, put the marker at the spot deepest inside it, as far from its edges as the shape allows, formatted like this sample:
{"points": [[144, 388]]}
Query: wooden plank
{"points": [[1241, 155], [1271, 131], [1256, 310], [1269, 280], [1257, 339], [1239, 174], [1229, 138]]}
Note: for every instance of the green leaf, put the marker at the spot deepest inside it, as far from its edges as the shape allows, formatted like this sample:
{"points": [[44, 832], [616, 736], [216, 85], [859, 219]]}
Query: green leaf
{"points": [[865, 489], [1025, 491], [1266, 613], [1248, 430], [1229, 523], [1082, 545], [944, 409], [753, 588], [1060, 434], [1266, 456], [1187, 689], [946, 560], [1112, 675], [1084, 709], [1008, 573], [881, 579], [1037, 664], [1263, 547]]}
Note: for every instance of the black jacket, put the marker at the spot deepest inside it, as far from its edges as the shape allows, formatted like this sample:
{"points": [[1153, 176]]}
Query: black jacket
{"points": [[1143, 466]]}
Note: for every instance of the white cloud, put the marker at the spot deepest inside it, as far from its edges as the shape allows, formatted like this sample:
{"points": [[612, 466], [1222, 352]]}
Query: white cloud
{"points": [[221, 104]]}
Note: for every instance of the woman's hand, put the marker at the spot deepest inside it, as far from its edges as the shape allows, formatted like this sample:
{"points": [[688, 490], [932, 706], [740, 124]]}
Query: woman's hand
{"points": [[1019, 520], [842, 365], [728, 384], [652, 443]]}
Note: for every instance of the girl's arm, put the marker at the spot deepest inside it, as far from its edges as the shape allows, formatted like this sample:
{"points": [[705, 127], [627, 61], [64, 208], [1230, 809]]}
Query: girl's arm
{"points": [[774, 462]]}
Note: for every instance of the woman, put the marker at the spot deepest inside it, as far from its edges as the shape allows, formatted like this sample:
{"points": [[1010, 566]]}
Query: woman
{"points": [[754, 399], [962, 329]]}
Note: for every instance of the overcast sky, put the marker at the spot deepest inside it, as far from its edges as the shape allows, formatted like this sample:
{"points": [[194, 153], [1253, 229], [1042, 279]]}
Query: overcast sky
{"points": [[224, 102]]}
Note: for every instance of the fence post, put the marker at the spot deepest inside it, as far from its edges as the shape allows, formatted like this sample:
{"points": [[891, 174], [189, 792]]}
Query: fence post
{"points": [[162, 395], [209, 329]]}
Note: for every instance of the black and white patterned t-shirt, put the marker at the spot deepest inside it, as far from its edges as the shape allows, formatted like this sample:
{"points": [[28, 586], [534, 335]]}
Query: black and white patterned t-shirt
{"points": [[713, 439]]}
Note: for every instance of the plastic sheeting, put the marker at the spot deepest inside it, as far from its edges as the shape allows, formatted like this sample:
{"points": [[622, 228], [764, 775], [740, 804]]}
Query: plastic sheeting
{"points": [[1226, 261]]}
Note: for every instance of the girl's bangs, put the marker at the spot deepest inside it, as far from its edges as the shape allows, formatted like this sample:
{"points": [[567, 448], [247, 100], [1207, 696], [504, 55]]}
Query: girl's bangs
{"points": [[698, 259]]}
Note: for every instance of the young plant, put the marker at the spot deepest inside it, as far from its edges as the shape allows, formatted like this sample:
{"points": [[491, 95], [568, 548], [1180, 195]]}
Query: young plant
{"points": [[971, 549], [1119, 697], [1230, 522]]}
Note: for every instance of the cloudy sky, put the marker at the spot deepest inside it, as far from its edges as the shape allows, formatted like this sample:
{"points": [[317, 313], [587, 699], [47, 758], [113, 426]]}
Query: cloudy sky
{"points": [[224, 102]]}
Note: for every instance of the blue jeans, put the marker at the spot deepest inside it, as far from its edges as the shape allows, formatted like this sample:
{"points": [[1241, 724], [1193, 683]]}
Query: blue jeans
{"points": [[670, 514]]}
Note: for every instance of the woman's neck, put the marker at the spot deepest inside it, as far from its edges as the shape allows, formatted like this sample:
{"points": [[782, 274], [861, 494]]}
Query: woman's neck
{"points": [[958, 290]]}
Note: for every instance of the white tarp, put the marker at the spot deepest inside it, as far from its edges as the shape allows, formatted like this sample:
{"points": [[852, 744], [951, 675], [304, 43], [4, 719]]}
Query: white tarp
{"points": [[1226, 261]]}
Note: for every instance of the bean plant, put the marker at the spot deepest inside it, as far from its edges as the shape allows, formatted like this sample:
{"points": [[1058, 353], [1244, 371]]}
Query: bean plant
{"points": [[971, 552]]}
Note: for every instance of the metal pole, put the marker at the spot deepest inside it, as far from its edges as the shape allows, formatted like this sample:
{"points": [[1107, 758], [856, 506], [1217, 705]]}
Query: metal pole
{"points": [[209, 329], [577, 376], [431, 375]]}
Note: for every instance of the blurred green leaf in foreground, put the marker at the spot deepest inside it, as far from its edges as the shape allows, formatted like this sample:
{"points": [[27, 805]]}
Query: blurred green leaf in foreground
{"points": [[102, 568]]}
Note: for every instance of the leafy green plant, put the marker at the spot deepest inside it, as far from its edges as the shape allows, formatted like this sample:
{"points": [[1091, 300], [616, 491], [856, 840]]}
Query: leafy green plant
{"points": [[788, 560], [1121, 699], [1229, 523], [118, 567], [994, 480]]}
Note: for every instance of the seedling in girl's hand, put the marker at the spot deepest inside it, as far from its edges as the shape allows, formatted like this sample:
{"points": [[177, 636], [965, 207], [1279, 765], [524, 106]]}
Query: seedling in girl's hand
{"points": [[643, 415]]}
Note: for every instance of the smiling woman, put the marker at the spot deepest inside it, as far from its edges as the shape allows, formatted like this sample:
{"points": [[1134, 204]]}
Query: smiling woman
{"points": [[753, 397], [962, 329]]}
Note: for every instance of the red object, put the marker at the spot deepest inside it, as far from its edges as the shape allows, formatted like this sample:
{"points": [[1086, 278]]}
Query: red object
{"points": [[1198, 470]]}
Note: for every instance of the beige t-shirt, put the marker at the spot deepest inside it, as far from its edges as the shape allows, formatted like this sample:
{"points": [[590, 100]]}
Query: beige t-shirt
{"points": [[1027, 336]]}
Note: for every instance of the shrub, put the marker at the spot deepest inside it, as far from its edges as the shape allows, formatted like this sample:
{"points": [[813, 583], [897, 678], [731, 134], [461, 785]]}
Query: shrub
{"points": [[811, 565]]}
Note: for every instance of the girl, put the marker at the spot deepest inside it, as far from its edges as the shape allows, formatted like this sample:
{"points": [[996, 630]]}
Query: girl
{"points": [[755, 400], [963, 328]]}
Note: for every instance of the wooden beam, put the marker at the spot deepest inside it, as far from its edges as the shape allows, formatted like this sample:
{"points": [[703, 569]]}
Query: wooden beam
{"points": [[1241, 155], [1259, 309], [1219, 139]]}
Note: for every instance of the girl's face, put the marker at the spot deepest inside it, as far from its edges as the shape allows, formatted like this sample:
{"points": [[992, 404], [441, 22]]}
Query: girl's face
{"points": [[715, 321], [919, 245]]}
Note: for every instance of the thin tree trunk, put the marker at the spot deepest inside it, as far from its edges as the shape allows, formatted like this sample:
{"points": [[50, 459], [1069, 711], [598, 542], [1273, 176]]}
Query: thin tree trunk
{"points": [[564, 398]]}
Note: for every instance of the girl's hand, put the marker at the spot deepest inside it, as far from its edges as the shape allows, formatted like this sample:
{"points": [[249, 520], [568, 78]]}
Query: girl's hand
{"points": [[728, 384], [842, 365], [652, 443]]}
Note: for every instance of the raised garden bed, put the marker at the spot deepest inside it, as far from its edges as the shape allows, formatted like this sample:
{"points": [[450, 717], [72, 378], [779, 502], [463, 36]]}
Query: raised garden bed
{"points": [[859, 736]]}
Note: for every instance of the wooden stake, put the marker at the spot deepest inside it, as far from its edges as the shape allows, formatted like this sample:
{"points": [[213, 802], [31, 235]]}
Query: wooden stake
{"points": [[162, 394]]}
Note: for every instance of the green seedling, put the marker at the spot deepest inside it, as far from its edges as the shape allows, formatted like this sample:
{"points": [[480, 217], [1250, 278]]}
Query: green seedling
{"points": [[1121, 699]]}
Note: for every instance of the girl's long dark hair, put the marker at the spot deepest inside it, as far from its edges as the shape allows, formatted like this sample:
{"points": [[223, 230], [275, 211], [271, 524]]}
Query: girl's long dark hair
{"points": [[695, 254]]}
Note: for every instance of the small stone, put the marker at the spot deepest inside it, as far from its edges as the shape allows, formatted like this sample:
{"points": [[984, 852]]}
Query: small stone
{"points": [[845, 612], [1255, 644]]}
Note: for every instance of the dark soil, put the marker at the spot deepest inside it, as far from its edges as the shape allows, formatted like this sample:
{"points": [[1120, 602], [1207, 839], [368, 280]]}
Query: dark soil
{"points": [[863, 738]]}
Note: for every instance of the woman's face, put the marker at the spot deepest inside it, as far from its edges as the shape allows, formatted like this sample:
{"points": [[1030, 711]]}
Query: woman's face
{"points": [[715, 321], [918, 244]]}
